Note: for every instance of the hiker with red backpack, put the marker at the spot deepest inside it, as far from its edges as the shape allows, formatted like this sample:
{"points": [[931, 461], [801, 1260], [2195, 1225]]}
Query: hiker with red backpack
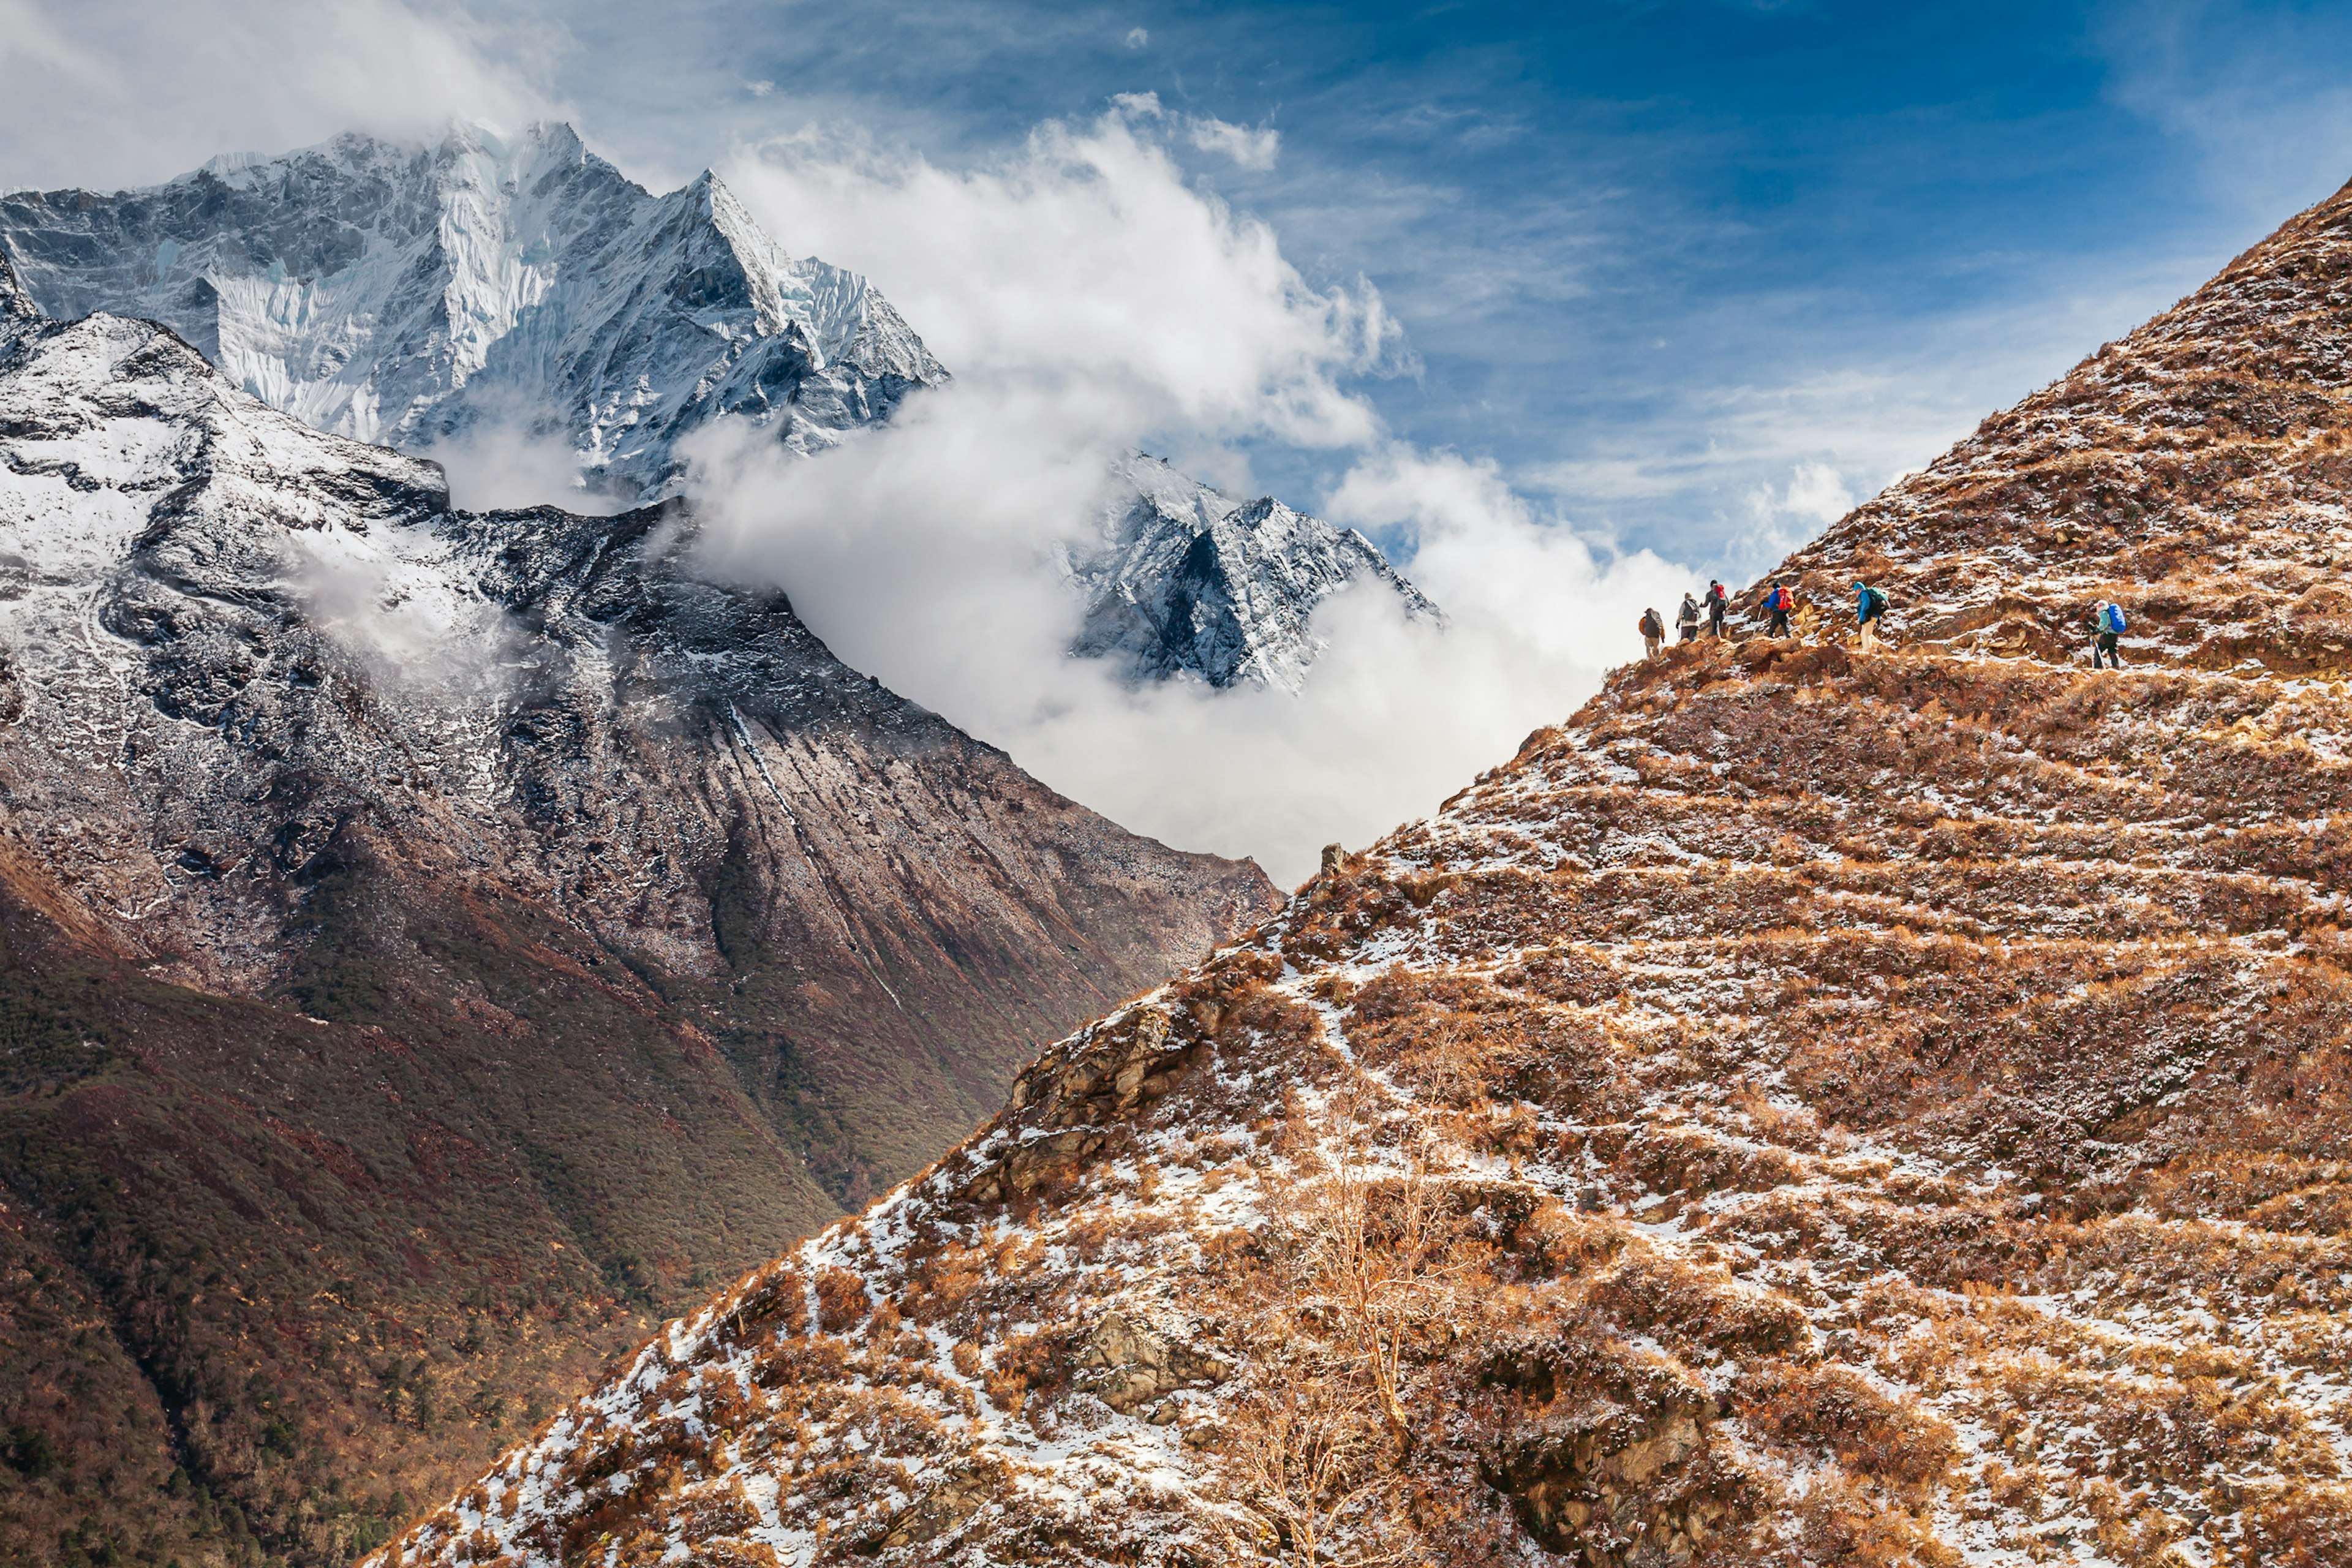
{"points": [[1869, 606], [1718, 605], [1779, 604], [2108, 620]]}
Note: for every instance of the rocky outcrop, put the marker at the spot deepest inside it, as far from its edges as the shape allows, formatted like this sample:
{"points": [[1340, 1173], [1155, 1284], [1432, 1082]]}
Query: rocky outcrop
{"points": [[1610, 1463], [1128, 1367]]}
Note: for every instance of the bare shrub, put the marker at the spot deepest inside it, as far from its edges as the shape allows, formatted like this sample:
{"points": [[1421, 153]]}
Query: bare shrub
{"points": [[1382, 1250], [1307, 1459]]}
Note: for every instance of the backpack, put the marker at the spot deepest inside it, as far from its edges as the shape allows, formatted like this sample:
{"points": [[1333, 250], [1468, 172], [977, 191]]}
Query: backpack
{"points": [[1873, 603], [2113, 620], [1650, 626], [1779, 601]]}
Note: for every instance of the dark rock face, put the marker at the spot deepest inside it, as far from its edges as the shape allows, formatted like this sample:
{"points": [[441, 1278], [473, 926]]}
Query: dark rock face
{"points": [[433, 943]]}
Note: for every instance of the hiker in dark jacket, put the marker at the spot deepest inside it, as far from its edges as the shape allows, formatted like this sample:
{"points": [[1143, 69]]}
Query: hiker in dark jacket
{"points": [[1718, 605], [1778, 604], [2107, 621], [1654, 634], [1869, 605], [1688, 619]]}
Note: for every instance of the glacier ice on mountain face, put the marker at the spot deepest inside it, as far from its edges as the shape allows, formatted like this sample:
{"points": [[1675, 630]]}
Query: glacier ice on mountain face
{"points": [[411, 294]]}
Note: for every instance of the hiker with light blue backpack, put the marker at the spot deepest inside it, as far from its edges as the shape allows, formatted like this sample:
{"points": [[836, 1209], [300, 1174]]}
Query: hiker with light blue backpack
{"points": [[2108, 621]]}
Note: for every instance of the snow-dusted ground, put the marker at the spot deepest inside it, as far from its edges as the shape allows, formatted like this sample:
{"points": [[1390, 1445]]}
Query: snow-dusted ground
{"points": [[1899, 1098]]}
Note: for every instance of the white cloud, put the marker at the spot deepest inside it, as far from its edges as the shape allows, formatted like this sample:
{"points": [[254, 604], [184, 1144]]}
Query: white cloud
{"points": [[402, 622], [1252, 150], [1086, 255], [507, 464], [1137, 37], [104, 93], [1090, 297]]}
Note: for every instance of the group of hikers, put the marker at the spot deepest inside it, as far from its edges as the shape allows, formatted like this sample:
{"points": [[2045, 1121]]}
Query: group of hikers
{"points": [[1869, 609], [1778, 604]]}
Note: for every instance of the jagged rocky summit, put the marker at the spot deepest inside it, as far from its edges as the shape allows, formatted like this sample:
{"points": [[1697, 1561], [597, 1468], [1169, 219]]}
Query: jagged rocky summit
{"points": [[1812, 1107], [1184, 580], [431, 943], [409, 294], [416, 295]]}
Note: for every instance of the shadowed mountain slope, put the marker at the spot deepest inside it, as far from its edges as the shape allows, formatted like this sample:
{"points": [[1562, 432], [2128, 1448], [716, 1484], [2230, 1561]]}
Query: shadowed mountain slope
{"points": [[1813, 1107], [433, 944]]}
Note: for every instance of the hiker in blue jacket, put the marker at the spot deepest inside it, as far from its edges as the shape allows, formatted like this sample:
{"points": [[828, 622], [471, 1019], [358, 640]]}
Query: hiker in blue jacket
{"points": [[2108, 620], [1869, 604], [1778, 604]]}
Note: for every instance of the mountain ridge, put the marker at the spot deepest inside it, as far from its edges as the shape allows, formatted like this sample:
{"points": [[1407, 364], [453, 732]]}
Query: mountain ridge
{"points": [[1817, 1105], [430, 943], [485, 287], [1185, 580]]}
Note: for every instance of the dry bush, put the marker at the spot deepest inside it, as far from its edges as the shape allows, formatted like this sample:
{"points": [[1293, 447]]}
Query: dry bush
{"points": [[1837, 1411], [939, 1288], [726, 1553], [841, 1301], [1840, 1526], [714, 1509], [774, 1301], [809, 1360], [1460, 1041], [2300, 1527], [1026, 1364], [1697, 1309], [1383, 1251]]}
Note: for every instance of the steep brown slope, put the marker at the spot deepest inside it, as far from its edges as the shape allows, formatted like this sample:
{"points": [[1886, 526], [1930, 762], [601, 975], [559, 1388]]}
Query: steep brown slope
{"points": [[434, 945], [1815, 1108]]}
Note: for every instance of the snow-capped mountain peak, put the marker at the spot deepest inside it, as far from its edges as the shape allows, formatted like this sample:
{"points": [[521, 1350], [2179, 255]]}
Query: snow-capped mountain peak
{"points": [[486, 285], [1187, 580], [411, 293]]}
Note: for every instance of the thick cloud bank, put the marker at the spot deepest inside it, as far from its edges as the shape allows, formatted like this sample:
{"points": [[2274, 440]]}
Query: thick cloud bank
{"points": [[1092, 296], [107, 93]]}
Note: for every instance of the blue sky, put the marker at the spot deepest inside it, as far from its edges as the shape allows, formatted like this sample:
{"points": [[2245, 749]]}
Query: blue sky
{"points": [[1673, 285], [1691, 272], [1672, 265]]}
